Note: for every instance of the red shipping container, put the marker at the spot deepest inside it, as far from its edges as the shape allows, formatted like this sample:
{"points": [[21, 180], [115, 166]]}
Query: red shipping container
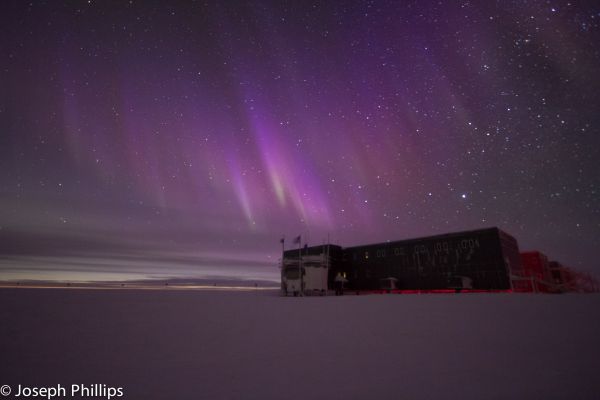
{"points": [[535, 264]]}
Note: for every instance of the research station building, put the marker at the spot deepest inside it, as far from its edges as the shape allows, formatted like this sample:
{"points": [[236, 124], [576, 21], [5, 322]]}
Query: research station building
{"points": [[480, 259]]}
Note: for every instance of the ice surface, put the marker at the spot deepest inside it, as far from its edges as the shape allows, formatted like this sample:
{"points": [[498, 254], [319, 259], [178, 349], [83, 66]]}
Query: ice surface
{"points": [[164, 344]]}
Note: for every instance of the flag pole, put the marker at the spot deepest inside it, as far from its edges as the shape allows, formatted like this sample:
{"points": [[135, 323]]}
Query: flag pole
{"points": [[282, 241], [327, 276], [301, 291]]}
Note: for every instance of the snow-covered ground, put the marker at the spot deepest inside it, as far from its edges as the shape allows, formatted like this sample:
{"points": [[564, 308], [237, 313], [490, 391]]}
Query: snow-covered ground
{"points": [[174, 344]]}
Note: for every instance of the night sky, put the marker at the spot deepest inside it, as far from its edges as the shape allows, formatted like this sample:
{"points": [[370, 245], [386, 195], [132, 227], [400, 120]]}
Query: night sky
{"points": [[147, 139]]}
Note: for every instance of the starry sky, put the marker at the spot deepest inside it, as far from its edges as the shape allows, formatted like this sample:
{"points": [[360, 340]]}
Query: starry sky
{"points": [[145, 139]]}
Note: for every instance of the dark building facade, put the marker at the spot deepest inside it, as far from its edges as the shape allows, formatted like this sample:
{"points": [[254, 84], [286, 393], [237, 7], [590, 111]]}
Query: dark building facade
{"points": [[486, 258]]}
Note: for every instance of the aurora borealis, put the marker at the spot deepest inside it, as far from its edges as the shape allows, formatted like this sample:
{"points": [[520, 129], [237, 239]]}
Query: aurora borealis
{"points": [[147, 139]]}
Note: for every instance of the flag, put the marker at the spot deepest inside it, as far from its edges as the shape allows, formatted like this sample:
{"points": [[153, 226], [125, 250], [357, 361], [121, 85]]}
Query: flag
{"points": [[297, 240], [281, 240]]}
